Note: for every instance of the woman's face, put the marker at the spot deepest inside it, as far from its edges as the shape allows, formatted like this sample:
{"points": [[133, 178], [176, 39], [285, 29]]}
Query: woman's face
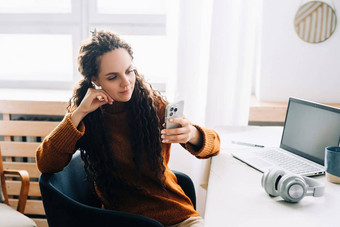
{"points": [[116, 75]]}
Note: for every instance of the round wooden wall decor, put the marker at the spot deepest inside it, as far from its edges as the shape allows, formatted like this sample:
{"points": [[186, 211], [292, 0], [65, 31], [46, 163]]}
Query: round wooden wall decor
{"points": [[315, 21]]}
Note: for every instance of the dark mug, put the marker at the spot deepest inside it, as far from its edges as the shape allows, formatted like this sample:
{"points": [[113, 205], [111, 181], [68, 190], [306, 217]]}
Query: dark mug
{"points": [[332, 164]]}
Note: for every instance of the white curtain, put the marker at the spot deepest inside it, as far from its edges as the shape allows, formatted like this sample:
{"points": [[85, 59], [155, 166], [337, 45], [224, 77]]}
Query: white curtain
{"points": [[217, 48], [216, 64]]}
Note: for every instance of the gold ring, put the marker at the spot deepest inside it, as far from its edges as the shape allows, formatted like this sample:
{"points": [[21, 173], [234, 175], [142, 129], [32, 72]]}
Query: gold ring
{"points": [[100, 98]]}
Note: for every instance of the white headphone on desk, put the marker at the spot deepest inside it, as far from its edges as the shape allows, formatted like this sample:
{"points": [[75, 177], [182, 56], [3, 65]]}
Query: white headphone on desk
{"points": [[292, 188]]}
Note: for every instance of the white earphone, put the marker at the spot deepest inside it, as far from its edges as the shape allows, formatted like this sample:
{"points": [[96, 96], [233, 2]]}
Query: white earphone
{"points": [[291, 187], [96, 86]]}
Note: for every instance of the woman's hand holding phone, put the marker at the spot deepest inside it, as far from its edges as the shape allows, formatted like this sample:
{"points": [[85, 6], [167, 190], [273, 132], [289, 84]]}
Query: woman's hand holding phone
{"points": [[184, 133], [178, 129], [94, 98]]}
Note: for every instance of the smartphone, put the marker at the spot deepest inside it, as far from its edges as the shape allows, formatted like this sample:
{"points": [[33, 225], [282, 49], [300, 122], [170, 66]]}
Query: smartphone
{"points": [[173, 110]]}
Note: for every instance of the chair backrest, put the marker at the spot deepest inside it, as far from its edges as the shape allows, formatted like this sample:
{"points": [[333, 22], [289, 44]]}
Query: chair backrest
{"points": [[72, 182], [23, 124], [187, 185], [69, 200]]}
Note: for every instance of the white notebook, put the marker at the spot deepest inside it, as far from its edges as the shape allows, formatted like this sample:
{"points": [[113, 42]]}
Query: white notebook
{"points": [[309, 128]]}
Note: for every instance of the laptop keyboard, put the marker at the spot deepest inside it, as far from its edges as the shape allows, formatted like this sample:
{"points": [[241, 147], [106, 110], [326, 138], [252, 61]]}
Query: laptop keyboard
{"points": [[288, 162]]}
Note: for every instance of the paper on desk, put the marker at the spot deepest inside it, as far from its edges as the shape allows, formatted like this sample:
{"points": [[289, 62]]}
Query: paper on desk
{"points": [[266, 136]]}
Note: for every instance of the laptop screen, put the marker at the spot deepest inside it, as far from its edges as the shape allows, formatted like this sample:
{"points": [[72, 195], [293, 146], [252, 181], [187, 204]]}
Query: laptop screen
{"points": [[309, 128]]}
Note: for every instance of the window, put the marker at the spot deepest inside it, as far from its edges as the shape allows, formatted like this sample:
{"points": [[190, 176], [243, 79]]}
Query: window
{"points": [[35, 6], [40, 39], [131, 7], [30, 52]]}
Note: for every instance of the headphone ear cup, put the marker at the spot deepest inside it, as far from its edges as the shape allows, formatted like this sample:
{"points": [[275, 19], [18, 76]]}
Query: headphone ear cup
{"points": [[292, 188], [270, 180]]}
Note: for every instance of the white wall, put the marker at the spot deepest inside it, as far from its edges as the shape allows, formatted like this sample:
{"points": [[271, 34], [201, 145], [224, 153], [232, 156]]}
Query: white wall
{"points": [[289, 66], [197, 169]]}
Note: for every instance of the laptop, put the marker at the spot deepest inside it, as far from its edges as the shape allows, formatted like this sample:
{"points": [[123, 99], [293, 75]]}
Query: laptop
{"points": [[309, 127]]}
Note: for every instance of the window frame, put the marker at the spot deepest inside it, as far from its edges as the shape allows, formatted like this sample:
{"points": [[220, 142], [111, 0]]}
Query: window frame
{"points": [[82, 19]]}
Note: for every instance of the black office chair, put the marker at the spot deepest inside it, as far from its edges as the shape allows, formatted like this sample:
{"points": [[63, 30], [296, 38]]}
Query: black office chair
{"points": [[69, 200]]}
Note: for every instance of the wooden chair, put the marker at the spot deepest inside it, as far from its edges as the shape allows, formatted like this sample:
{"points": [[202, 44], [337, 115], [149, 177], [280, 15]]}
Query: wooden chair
{"points": [[8, 216], [23, 126], [25, 183]]}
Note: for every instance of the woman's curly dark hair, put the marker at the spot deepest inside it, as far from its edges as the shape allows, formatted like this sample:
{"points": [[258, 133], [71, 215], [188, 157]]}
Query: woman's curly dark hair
{"points": [[144, 123]]}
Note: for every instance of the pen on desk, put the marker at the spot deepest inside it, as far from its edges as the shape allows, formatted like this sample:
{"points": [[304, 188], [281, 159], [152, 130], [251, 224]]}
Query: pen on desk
{"points": [[247, 144]]}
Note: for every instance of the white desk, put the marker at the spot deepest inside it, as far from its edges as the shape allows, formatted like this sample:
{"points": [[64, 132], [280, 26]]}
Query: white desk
{"points": [[235, 196]]}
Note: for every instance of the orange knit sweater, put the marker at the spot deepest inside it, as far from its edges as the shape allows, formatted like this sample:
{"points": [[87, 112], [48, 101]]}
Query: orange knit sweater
{"points": [[168, 206]]}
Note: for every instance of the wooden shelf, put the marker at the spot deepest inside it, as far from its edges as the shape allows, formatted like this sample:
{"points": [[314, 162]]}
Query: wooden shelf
{"points": [[271, 112]]}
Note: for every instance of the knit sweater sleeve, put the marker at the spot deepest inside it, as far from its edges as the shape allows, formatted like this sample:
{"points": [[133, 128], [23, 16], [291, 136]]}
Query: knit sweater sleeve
{"points": [[210, 147], [56, 151]]}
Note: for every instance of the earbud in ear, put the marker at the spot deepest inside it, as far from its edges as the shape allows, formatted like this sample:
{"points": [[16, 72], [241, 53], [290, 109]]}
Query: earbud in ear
{"points": [[96, 86]]}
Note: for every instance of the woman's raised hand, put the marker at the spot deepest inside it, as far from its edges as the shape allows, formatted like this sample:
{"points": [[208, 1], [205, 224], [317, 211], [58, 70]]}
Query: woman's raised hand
{"points": [[94, 98], [185, 133]]}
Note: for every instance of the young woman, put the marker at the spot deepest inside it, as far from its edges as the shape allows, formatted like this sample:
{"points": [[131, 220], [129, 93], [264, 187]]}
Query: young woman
{"points": [[116, 120]]}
